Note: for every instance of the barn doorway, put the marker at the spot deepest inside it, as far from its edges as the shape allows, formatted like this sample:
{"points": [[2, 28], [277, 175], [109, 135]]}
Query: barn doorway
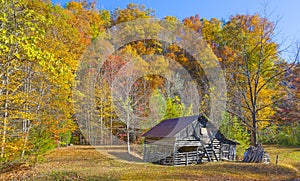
{"points": [[185, 149]]}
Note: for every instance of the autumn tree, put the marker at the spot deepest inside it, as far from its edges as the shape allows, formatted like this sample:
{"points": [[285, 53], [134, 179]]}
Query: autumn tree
{"points": [[86, 24], [286, 124], [128, 97], [20, 57], [40, 49], [65, 48], [251, 58]]}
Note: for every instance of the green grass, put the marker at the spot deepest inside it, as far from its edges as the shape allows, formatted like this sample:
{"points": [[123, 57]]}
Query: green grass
{"points": [[287, 156], [85, 163]]}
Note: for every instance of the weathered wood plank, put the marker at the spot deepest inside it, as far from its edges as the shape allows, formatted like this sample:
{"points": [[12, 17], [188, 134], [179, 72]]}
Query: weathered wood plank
{"points": [[188, 146]]}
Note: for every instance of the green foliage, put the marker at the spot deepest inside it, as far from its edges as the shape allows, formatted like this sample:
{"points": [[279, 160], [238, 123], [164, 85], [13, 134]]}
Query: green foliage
{"points": [[105, 16], [175, 108], [285, 135], [65, 138], [232, 128], [41, 142], [269, 135], [289, 135], [157, 106]]}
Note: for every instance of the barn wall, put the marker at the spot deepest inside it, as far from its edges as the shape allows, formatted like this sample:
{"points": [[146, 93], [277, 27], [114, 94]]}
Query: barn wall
{"points": [[182, 143], [232, 152], [228, 151], [156, 150], [216, 145], [165, 150]]}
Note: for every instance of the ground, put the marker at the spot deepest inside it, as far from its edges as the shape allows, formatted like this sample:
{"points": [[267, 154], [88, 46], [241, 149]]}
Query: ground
{"points": [[113, 163]]}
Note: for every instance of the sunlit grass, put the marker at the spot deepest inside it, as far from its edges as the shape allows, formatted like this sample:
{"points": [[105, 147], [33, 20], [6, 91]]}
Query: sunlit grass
{"points": [[85, 163], [287, 156]]}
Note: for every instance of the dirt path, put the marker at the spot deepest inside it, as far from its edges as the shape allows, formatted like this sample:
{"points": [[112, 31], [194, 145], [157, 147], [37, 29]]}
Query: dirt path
{"points": [[119, 153], [76, 162]]}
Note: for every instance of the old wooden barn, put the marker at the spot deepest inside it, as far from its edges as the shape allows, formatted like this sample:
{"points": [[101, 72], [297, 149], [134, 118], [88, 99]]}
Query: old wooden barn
{"points": [[186, 140]]}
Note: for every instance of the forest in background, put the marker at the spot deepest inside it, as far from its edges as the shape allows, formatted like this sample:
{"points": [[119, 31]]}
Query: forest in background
{"points": [[40, 51]]}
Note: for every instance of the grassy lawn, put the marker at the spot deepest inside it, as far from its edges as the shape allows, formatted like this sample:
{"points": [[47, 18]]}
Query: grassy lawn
{"points": [[86, 163], [289, 157]]}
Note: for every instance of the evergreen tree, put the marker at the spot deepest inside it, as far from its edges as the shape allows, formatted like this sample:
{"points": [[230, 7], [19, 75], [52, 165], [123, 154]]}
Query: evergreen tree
{"points": [[232, 129]]}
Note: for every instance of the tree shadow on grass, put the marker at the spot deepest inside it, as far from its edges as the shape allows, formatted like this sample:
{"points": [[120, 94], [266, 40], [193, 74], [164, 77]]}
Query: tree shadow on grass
{"points": [[126, 156]]}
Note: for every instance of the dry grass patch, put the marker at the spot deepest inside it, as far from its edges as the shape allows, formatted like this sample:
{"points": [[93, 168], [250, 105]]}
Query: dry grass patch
{"points": [[85, 163]]}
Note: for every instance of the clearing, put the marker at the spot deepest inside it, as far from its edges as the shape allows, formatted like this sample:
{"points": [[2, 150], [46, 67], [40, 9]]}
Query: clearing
{"points": [[113, 163]]}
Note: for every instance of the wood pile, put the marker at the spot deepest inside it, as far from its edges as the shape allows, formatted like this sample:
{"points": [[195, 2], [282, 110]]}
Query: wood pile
{"points": [[256, 154]]}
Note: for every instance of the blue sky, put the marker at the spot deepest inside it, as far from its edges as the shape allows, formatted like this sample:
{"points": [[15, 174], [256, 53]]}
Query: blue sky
{"points": [[288, 11]]}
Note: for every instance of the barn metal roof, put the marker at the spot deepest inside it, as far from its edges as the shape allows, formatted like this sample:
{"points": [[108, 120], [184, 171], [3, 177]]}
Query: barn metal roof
{"points": [[170, 127]]}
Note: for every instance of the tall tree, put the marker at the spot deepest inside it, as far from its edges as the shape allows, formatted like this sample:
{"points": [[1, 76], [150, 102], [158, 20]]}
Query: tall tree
{"points": [[287, 111], [251, 59], [19, 59], [128, 97]]}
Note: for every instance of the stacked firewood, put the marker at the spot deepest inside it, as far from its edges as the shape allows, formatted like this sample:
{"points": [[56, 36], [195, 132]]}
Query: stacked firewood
{"points": [[256, 154]]}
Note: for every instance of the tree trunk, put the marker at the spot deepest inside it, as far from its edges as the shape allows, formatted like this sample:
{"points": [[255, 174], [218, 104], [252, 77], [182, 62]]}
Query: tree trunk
{"points": [[111, 120], [5, 120], [254, 129], [128, 143], [26, 122], [111, 133], [127, 128], [101, 127]]}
